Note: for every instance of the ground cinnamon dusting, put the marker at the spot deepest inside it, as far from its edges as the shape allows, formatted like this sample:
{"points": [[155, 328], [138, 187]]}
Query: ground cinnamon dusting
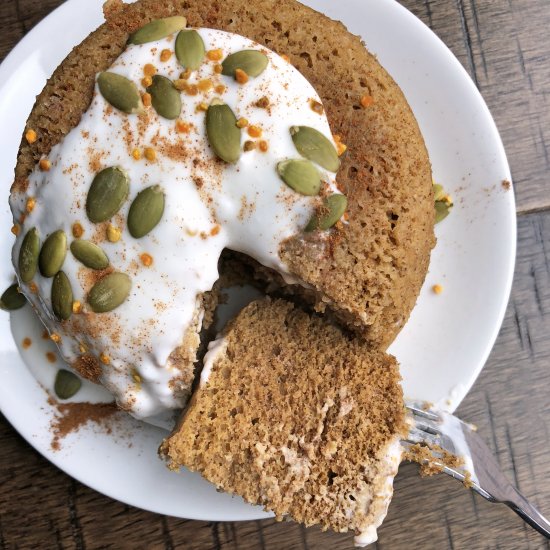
{"points": [[71, 417], [88, 367]]}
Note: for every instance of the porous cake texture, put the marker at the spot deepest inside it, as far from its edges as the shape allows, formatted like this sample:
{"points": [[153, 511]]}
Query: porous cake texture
{"points": [[295, 415]]}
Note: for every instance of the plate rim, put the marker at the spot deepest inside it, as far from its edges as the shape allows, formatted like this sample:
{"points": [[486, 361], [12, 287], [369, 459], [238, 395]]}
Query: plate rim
{"points": [[28, 44]]}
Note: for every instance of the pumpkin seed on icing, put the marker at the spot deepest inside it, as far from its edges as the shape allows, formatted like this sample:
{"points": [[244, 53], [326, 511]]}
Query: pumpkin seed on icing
{"points": [[120, 92], [146, 211], [62, 296], [53, 252], [89, 254], [315, 146], [300, 175], [109, 292], [190, 49], [252, 62], [107, 194], [28, 255], [223, 134], [157, 29], [165, 97]]}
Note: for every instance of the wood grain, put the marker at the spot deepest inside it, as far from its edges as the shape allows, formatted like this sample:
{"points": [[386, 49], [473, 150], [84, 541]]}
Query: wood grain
{"points": [[504, 46]]}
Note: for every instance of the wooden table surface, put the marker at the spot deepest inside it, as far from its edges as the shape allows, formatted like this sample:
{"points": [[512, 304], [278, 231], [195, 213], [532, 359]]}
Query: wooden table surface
{"points": [[504, 45]]}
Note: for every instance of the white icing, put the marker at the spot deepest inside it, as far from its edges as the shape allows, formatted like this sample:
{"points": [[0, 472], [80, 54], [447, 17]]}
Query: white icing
{"points": [[253, 207], [215, 349], [388, 466]]}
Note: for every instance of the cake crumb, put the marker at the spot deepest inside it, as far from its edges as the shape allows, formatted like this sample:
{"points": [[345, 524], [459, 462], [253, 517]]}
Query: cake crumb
{"points": [[438, 289], [432, 460], [506, 185]]}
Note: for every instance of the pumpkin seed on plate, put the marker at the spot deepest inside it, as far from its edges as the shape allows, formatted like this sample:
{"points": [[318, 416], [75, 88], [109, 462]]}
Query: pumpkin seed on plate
{"points": [[146, 211], [300, 175], [28, 255], [438, 191], [109, 292], [89, 254], [315, 146], [66, 384], [442, 203], [62, 296], [190, 49], [223, 134], [157, 29], [53, 252], [12, 299], [107, 194], [332, 210], [165, 97], [442, 210], [252, 62]]}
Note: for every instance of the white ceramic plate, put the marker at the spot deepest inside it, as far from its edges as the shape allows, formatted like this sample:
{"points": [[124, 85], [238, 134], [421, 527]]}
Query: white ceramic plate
{"points": [[444, 345]]}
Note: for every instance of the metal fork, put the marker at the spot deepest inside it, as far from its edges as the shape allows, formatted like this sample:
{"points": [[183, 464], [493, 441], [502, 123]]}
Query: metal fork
{"points": [[480, 471]]}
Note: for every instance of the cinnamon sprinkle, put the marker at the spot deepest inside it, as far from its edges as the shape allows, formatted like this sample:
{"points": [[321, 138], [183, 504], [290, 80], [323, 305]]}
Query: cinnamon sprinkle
{"points": [[71, 417]]}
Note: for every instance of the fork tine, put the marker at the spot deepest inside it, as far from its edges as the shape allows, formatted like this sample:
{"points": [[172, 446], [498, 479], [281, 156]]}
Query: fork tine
{"points": [[420, 410], [420, 436], [428, 426]]}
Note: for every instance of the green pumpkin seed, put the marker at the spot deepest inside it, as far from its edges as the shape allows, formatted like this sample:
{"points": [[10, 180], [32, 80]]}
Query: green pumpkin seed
{"points": [[301, 175], [62, 296], [223, 134], [438, 191], [442, 210], [333, 209], [146, 211], [28, 255], [165, 98], [66, 384], [53, 253], [107, 194], [313, 145], [120, 92], [12, 299], [89, 254], [108, 293], [252, 62], [442, 203], [190, 49], [157, 29]]}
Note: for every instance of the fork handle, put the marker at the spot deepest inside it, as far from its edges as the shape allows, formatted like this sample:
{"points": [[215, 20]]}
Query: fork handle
{"points": [[529, 513]]}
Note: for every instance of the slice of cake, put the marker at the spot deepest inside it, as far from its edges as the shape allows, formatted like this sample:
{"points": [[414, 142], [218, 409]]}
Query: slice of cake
{"points": [[293, 414]]}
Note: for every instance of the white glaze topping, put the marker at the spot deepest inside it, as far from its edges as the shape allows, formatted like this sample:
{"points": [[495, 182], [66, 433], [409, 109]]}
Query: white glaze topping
{"points": [[210, 205], [388, 467]]}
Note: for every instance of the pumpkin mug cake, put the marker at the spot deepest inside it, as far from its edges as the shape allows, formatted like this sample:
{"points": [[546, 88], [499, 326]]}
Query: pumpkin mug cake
{"points": [[181, 129]]}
